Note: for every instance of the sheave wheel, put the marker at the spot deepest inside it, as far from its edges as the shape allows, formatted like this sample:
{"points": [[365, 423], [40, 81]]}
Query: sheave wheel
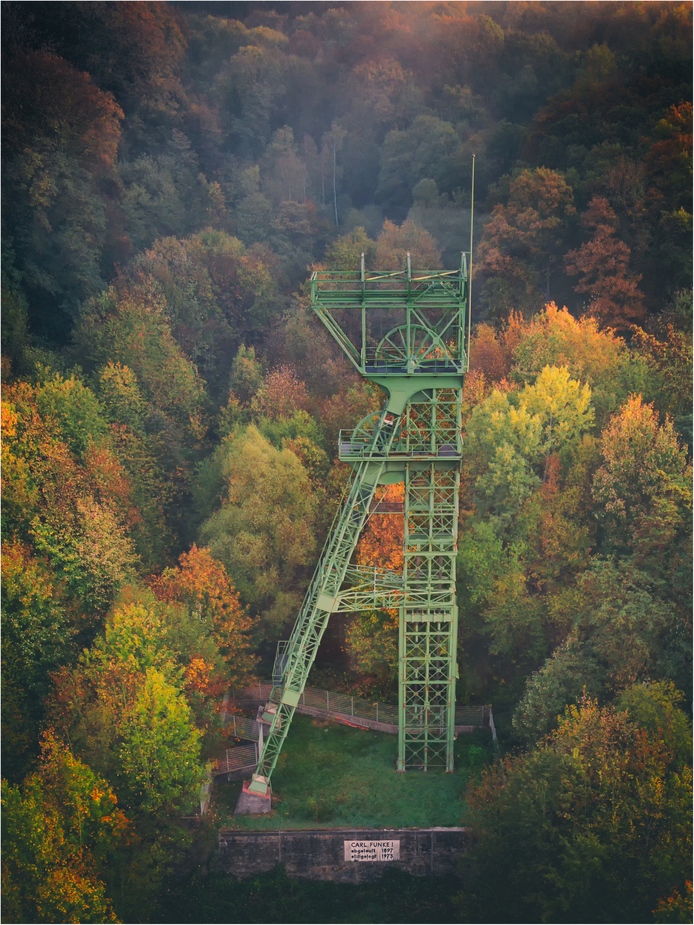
{"points": [[395, 348]]}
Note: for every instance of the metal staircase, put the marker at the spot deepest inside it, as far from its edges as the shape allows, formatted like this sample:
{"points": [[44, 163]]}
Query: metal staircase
{"points": [[295, 660]]}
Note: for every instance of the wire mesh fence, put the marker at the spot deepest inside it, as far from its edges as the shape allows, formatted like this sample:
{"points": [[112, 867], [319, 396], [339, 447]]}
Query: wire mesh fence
{"points": [[236, 759], [242, 727], [345, 705]]}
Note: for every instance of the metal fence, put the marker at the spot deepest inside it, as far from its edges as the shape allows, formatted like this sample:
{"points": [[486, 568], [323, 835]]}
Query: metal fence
{"points": [[242, 727], [241, 758], [345, 705]]}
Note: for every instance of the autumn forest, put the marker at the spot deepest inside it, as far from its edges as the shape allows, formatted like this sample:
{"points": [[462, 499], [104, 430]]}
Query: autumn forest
{"points": [[173, 173]]}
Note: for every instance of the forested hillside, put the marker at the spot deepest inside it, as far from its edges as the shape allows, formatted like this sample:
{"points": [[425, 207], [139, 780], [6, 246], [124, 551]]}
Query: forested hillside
{"points": [[173, 172]]}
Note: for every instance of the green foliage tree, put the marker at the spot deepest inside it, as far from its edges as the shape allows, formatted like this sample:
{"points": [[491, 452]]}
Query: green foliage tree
{"points": [[512, 434], [428, 149], [525, 535], [246, 374], [132, 720], [132, 330], [371, 640], [251, 89], [598, 358], [264, 533], [159, 755], [668, 354], [73, 506], [581, 803], [643, 491], [345, 252], [60, 143], [38, 631], [137, 451], [619, 633]]}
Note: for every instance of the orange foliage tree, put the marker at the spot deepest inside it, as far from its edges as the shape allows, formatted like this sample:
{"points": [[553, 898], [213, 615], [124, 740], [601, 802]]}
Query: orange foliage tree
{"points": [[371, 640], [381, 543], [281, 394], [60, 833], [202, 584], [602, 265], [395, 242], [523, 239], [51, 107]]}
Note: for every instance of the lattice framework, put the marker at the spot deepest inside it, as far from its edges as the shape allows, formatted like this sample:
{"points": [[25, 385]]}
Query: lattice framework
{"points": [[407, 332]]}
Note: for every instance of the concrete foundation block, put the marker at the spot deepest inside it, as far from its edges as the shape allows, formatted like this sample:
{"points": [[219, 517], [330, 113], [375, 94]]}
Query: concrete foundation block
{"points": [[252, 804]]}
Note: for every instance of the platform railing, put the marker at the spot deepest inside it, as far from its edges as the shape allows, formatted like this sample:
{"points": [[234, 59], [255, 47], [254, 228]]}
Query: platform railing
{"points": [[350, 707], [351, 448]]}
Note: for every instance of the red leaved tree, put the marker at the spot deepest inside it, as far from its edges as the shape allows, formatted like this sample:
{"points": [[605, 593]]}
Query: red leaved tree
{"points": [[602, 266]]}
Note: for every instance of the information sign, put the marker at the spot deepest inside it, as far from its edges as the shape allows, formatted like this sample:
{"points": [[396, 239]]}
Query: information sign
{"points": [[372, 851]]}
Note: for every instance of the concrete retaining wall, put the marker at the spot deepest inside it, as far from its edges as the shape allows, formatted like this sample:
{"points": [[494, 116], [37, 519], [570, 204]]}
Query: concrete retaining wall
{"points": [[319, 854]]}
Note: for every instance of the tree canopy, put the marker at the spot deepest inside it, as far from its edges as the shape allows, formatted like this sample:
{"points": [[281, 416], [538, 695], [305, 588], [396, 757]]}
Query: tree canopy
{"points": [[173, 173]]}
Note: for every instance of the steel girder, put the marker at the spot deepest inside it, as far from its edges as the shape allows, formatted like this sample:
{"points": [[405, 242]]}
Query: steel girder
{"points": [[428, 619], [409, 333]]}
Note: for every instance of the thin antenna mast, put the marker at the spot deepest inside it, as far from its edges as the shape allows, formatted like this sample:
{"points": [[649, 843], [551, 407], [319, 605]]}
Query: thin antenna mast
{"points": [[472, 220]]}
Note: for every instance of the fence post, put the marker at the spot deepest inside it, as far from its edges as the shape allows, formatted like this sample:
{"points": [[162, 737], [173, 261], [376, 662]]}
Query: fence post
{"points": [[377, 711], [327, 701], [352, 706]]}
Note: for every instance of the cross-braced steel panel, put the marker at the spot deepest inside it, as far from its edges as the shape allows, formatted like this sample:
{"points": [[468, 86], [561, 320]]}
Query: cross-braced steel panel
{"points": [[428, 620], [409, 333]]}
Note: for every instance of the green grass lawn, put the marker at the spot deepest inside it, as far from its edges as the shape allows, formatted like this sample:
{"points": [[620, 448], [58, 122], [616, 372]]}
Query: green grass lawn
{"points": [[332, 775]]}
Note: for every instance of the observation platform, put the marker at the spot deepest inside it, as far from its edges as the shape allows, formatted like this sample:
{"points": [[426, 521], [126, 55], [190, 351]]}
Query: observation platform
{"points": [[388, 288], [352, 449], [394, 323]]}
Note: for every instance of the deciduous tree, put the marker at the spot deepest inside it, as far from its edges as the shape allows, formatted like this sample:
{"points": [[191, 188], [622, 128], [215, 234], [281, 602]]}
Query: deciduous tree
{"points": [[394, 243], [202, 584], [602, 265], [159, 754], [60, 832], [265, 531], [643, 489], [523, 240], [601, 808]]}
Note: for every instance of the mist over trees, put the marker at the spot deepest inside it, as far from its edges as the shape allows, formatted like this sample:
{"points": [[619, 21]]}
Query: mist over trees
{"points": [[172, 174]]}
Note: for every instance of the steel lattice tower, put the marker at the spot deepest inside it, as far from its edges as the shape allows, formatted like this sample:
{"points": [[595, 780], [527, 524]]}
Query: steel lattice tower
{"points": [[408, 332]]}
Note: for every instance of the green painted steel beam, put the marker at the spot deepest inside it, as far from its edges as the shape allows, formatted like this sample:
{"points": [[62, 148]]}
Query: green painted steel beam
{"points": [[406, 331]]}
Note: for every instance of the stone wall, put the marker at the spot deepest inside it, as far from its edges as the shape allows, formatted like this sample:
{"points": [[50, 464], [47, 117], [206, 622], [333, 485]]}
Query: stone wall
{"points": [[319, 854]]}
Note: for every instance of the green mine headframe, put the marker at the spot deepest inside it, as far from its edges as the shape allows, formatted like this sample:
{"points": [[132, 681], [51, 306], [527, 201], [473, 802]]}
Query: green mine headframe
{"points": [[408, 332]]}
